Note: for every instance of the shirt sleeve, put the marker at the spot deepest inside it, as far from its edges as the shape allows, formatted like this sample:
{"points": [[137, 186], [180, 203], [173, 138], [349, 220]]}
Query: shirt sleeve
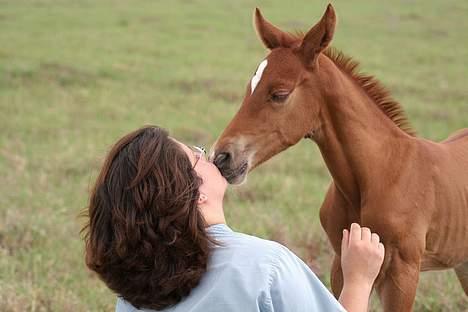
{"points": [[123, 306], [295, 288]]}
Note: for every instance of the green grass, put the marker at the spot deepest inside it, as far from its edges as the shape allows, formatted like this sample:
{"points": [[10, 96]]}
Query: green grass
{"points": [[77, 75]]}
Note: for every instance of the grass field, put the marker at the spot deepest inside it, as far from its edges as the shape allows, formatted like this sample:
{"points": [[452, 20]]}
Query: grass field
{"points": [[77, 75]]}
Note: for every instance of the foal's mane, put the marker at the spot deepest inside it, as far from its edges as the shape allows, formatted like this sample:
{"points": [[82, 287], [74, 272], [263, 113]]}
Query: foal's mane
{"points": [[374, 89]]}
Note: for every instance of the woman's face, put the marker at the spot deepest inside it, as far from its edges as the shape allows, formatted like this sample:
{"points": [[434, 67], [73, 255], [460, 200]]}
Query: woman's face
{"points": [[214, 184]]}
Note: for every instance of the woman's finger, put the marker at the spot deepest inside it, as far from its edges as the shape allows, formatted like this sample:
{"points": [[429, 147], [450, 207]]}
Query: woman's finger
{"points": [[366, 234], [355, 232], [344, 241], [375, 238]]}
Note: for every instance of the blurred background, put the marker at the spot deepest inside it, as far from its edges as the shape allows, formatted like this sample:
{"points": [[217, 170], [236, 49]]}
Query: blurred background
{"points": [[77, 75]]}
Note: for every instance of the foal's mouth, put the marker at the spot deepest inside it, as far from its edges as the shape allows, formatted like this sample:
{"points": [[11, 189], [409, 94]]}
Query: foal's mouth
{"points": [[235, 175]]}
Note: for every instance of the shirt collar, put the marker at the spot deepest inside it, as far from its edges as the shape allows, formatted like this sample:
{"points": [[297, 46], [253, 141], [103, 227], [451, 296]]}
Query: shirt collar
{"points": [[217, 229]]}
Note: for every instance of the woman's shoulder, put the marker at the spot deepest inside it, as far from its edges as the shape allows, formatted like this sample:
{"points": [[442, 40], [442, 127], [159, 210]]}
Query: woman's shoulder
{"points": [[277, 255], [289, 283], [268, 247], [246, 248]]}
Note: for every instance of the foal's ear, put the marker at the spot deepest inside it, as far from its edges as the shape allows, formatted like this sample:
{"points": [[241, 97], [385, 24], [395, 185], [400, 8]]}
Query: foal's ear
{"points": [[319, 37], [271, 36]]}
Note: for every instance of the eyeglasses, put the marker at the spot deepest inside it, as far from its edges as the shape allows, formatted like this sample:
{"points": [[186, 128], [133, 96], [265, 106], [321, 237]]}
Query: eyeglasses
{"points": [[199, 153]]}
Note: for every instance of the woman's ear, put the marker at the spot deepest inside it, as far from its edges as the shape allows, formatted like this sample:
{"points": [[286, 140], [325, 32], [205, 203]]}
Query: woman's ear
{"points": [[202, 199]]}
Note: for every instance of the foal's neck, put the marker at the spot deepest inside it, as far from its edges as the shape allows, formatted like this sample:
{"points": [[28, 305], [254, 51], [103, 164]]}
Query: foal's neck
{"points": [[356, 139]]}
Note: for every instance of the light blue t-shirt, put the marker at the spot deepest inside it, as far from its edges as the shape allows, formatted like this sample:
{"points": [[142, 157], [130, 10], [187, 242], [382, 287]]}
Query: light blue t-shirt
{"points": [[250, 274]]}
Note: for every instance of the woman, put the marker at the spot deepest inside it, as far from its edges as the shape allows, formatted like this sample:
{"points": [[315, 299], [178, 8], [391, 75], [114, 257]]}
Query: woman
{"points": [[157, 237]]}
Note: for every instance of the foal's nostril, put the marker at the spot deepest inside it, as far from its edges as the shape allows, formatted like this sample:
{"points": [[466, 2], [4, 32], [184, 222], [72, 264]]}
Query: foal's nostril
{"points": [[221, 159]]}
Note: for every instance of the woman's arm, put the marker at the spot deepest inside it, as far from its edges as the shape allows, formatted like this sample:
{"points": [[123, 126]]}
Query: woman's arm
{"points": [[362, 255], [355, 298]]}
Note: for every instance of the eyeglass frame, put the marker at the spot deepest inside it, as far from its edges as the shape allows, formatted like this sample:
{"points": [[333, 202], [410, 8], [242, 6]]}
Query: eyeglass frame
{"points": [[199, 152]]}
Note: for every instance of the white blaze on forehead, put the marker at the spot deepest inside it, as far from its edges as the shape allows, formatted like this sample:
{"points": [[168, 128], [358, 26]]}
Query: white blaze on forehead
{"points": [[258, 75]]}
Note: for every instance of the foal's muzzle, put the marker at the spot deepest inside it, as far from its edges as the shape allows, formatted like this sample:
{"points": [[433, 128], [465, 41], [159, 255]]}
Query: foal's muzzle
{"points": [[221, 160], [233, 172]]}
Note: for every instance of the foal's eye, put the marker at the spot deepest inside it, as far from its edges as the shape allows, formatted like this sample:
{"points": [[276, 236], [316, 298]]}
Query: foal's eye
{"points": [[279, 96]]}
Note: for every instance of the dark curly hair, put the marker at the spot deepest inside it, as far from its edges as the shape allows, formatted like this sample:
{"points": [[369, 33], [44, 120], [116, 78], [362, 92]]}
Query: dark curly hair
{"points": [[144, 235]]}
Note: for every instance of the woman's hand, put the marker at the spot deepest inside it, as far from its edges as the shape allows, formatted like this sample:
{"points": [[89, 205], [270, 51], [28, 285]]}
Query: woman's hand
{"points": [[362, 255]]}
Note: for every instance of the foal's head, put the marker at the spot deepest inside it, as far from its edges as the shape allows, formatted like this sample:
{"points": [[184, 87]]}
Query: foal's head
{"points": [[281, 104]]}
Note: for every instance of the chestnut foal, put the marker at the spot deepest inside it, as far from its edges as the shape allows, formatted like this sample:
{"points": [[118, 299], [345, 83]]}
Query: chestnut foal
{"points": [[411, 191]]}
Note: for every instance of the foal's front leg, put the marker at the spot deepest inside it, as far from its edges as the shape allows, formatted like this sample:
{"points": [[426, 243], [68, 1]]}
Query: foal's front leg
{"points": [[462, 274], [334, 219], [397, 286], [336, 276]]}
